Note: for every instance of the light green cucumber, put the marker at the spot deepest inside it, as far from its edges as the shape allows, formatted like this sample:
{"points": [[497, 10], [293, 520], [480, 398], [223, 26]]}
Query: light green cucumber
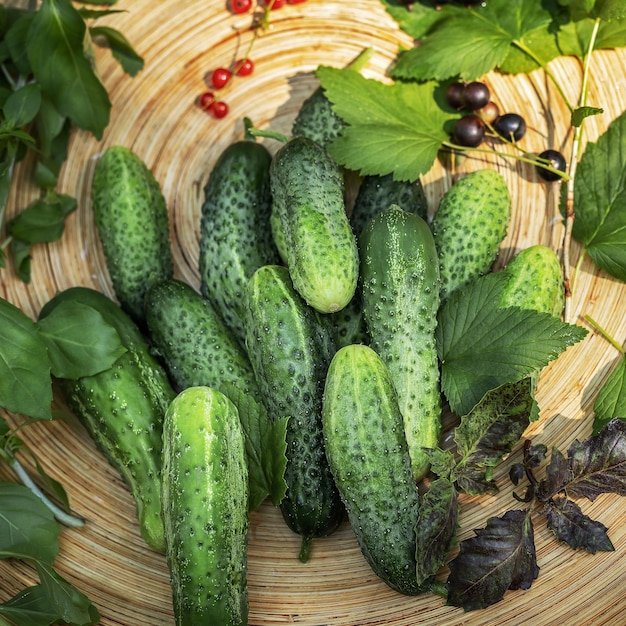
{"points": [[320, 248], [193, 340], [290, 346], [123, 407], [235, 232], [205, 509], [132, 222], [400, 291], [470, 224], [369, 458]]}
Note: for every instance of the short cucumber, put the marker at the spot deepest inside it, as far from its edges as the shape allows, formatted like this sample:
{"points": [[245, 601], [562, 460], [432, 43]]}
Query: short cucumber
{"points": [[470, 224], [368, 455], [193, 340], [123, 407], [132, 222], [317, 120], [205, 509], [235, 232], [290, 346], [400, 283], [321, 251]]}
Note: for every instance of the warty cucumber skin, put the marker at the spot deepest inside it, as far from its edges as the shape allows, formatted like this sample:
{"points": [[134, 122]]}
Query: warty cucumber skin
{"points": [[290, 346], [193, 340], [235, 232], [368, 455], [132, 221], [321, 251], [470, 224], [205, 509], [123, 408], [534, 281], [316, 120], [400, 287]]}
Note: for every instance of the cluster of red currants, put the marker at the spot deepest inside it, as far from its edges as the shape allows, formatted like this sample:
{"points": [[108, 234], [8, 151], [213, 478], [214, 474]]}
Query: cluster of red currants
{"points": [[221, 76], [483, 115]]}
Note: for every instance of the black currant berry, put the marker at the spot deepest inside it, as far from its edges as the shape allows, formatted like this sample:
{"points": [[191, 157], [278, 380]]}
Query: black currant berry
{"points": [[510, 126], [555, 160], [476, 95], [454, 95], [469, 131]]}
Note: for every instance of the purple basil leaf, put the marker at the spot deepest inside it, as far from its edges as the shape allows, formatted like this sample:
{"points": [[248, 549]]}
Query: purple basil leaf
{"points": [[501, 556], [436, 527], [576, 529]]}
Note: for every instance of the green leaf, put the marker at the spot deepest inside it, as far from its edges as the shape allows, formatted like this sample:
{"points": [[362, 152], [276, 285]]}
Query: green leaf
{"points": [[581, 113], [20, 253], [41, 221], [30, 607], [482, 346], [25, 384], [15, 38], [121, 49], [395, 128], [611, 399], [471, 43], [55, 50], [27, 527], [600, 192], [266, 447], [23, 104], [79, 340], [501, 556], [417, 19]]}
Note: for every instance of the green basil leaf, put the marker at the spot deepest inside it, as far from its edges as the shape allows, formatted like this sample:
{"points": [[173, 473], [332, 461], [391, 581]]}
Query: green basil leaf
{"points": [[121, 49], [23, 104]]}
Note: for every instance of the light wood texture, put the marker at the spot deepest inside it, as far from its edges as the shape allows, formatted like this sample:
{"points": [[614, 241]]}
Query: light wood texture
{"points": [[155, 114]]}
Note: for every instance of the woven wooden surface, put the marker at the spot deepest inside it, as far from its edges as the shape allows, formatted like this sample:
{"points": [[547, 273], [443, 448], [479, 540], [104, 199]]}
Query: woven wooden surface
{"points": [[155, 114]]}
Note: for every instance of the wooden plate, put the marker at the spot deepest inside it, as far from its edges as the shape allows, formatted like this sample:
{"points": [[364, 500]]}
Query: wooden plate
{"points": [[155, 114]]}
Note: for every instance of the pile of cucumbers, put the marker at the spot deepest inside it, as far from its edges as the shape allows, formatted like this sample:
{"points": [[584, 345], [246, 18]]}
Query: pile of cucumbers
{"points": [[324, 315]]}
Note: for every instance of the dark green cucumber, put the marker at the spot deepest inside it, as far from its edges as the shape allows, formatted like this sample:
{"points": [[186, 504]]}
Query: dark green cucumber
{"points": [[205, 509], [316, 120], [235, 232], [378, 193], [469, 226], [400, 282], [290, 346], [534, 281], [369, 458], [132, 222], [193, 340], [320, 248], [123, 407]]}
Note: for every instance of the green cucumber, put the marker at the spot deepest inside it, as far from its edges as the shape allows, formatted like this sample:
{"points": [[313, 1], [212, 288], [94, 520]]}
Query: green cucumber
{"points": [[122, 409], [534, 281], [400, 290], [378, 193], [290, 346], [321, 251], [193, 340], [316, 120], [369, 458], [470, 224], [132, 222], [235, 232], [205, 509]]}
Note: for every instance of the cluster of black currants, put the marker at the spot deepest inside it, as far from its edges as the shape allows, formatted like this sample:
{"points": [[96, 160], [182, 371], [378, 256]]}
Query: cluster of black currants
{"points": [[483, 114]]}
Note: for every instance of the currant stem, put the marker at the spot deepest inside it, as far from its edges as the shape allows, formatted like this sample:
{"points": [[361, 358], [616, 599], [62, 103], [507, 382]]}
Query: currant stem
{"points": [[605, 334]]}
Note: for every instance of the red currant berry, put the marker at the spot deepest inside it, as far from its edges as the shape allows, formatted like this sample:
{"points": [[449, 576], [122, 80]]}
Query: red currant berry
{"points": [[295, 1], [239, 6], [275, 4], [219, 109], [206, 100], [220, 77], [244, 67]]}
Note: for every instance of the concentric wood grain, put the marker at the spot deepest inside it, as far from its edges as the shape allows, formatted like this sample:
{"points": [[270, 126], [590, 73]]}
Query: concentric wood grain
{"points": [[155, 114]]}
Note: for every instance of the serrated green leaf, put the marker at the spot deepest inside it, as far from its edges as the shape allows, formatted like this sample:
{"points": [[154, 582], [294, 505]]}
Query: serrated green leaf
{"points": [[611, 399], [120, 47], [600, 192], [395, 128], [417, 19], [27, 527], [581, 113], [482, 346], [55, 50], [25, 383], [79, 340]]}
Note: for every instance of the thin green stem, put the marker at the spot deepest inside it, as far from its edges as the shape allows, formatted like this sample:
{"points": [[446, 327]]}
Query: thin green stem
{"points": [[605, 334]]}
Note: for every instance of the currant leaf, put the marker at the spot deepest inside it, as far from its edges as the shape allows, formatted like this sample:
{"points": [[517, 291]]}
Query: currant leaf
{"points": [[611, 399]]}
